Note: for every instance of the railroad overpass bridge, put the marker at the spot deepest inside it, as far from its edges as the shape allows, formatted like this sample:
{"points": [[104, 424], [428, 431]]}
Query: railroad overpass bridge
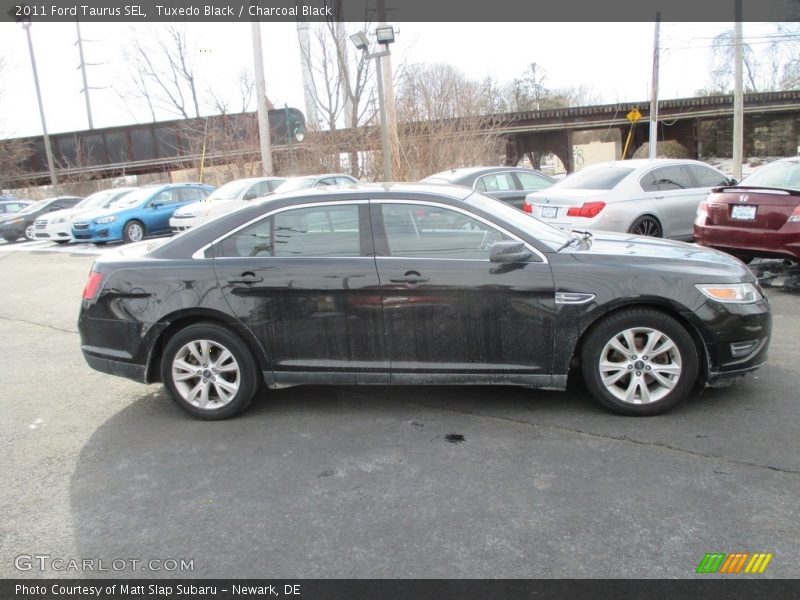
{"points": [[771, 125]]}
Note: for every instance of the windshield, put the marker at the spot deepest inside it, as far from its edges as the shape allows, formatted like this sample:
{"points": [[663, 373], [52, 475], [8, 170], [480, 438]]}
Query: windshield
{"points": [[135, 197], [100, 199], [296, 183], [596, 178], [779, 174], [230, 191], [554, 237]]}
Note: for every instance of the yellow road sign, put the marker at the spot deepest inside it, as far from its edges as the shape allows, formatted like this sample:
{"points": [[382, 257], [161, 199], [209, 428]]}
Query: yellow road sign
{"points": [[634, 115]]}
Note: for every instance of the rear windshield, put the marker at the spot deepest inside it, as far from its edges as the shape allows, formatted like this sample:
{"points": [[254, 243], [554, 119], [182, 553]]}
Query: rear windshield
{"points": [[602, 178], [780, 174]]}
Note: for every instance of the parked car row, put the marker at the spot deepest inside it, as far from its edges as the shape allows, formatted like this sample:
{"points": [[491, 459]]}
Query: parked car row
{"points": [[671, 198]]}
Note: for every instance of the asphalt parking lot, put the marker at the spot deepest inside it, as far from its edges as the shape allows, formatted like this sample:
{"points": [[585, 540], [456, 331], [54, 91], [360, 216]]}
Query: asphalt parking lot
{"points": [[413, 482]]}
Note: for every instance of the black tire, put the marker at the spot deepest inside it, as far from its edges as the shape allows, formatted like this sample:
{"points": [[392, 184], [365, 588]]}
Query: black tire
{"points": [[247, 379], [597, 346], [647, 226], [129, 232]]}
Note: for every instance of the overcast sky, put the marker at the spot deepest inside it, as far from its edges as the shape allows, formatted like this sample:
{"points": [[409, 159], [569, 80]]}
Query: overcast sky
{"points": [[613, 60]]}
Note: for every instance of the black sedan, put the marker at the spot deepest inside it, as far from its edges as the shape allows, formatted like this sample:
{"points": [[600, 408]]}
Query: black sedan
{"points": [[509, 184], [20, 224], [418, 284]]}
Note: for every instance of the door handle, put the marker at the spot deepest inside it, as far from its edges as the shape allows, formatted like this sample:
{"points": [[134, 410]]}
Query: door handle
{"points": [[246, 278], [412, 277]]}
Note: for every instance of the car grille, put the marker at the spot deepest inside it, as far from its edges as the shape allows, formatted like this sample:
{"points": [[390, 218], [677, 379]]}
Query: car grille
{"points": [[176, 216], [80, 226], [40, 224]]}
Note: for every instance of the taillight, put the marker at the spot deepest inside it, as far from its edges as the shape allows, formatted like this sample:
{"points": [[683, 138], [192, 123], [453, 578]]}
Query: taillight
{"points": [[528, 208], [587, 209], [795, 216], [92, 288], [702, 213]]}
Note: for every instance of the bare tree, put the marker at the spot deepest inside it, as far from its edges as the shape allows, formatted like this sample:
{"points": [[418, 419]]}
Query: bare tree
{"points": [[13, 152], [162, 72], [222, 104]]}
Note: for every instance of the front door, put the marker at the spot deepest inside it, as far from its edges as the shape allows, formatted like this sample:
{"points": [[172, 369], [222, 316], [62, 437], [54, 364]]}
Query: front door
{"points": [[304, 281], [451, 314]]}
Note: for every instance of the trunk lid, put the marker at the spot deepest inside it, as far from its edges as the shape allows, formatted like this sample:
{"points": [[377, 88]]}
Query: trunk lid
{"points": [[751, 207]]}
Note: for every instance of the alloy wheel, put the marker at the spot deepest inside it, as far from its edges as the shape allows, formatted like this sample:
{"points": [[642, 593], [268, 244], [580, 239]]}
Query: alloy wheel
{"points": [[640, 365], [648, 227], [206, 374]]}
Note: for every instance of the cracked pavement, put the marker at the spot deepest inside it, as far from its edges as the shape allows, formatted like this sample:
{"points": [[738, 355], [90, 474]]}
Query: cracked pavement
{"points": [[375, 481]]}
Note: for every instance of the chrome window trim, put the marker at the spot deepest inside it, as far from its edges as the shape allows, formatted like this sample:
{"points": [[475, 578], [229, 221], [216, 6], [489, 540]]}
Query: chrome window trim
{"points": [[468, 214], [200, 252]]}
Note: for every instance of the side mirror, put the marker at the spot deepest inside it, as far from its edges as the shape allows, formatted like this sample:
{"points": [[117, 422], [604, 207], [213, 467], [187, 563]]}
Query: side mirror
{"points": [[732, 181], [509, 252], [155, 204]]}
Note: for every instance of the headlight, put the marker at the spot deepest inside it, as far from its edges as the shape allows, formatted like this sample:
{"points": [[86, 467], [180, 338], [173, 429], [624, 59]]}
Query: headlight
{"points": [[739, 293], [60, 220], [102, 220]]}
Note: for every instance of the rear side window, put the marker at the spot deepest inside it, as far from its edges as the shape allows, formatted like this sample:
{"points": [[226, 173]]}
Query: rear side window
{"points": [[192, 194], [303, 232], [707, 177], [603, 178], [664, 179], [496, 182]]}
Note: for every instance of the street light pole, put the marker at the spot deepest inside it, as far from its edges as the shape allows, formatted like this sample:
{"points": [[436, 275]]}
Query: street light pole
{"points": [[47, 149], [387, 154]]}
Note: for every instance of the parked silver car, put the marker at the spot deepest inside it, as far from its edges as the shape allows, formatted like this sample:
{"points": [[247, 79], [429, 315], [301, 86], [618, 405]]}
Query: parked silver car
{"points": [[657, 197]]}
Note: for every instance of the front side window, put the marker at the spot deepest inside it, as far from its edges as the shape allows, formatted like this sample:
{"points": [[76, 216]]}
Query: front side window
{"points": [[166, 197], [531, 182], [303, 232], [417, 230]]}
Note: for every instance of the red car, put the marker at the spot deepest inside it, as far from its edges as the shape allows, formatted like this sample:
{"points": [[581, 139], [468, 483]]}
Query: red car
{"points": [[759, 217]]}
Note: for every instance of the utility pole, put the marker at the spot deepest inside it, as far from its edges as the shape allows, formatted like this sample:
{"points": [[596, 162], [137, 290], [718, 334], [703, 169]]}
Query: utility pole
{"points": [[388, 93], [47, 149], [83, 74], [261, 93], [653, 145], [738, 97]]}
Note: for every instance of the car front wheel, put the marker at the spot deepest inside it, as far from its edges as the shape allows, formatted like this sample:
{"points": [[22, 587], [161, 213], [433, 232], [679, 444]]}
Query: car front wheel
{"points": [[133, 232], [639, 362], [209, 371], [30, 234]]}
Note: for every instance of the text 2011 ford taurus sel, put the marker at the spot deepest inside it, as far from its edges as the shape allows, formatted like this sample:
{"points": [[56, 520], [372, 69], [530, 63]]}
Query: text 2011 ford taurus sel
{"points": [[416, 284]]}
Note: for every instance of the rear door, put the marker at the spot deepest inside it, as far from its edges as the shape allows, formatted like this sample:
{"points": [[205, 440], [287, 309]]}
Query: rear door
{"points": [[304, 280], [676, 196], [451, 314]]}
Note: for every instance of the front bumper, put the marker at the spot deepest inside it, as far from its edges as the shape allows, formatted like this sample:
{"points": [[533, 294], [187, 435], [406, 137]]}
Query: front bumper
{"points": [[183, 223], [107, 232]]}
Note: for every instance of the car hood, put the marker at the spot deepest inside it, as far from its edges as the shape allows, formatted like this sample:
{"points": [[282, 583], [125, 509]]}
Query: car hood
{"points": [[658, 253], [59, 214], [195, 208], [92, 214]]}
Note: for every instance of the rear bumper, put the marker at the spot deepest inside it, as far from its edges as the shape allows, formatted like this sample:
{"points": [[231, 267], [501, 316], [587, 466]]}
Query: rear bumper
{"points": [[768, 243], [116, 367]]}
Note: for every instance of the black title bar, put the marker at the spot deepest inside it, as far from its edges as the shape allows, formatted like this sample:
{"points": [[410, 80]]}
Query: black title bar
{"points": [[150, 11]]}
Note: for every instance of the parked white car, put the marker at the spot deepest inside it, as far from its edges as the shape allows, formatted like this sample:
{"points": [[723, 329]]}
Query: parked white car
{"points": [[656, 197], [309, 181], [57, 226], [224, 199]]}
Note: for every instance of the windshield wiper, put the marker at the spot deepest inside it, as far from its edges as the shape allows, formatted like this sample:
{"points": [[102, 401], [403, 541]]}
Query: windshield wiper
{"points": [[569, 242]]}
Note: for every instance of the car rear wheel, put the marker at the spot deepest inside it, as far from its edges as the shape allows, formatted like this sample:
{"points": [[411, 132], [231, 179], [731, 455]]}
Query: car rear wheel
{"points": [[30, 233], [209, 371], [639, 362], [133, 232], [646, 225]]}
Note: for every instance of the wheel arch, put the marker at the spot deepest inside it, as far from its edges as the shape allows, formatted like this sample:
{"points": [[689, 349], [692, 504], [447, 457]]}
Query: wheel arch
{"points": [[651, 214], [181, 319], [657, 304]]}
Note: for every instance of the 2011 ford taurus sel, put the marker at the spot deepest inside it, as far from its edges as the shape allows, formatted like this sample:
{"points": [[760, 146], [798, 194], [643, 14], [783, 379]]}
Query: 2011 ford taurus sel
{"points": [[418, 284]]}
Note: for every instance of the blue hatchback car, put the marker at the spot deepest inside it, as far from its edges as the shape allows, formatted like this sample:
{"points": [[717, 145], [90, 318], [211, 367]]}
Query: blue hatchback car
{"points": [[143, 212]]}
